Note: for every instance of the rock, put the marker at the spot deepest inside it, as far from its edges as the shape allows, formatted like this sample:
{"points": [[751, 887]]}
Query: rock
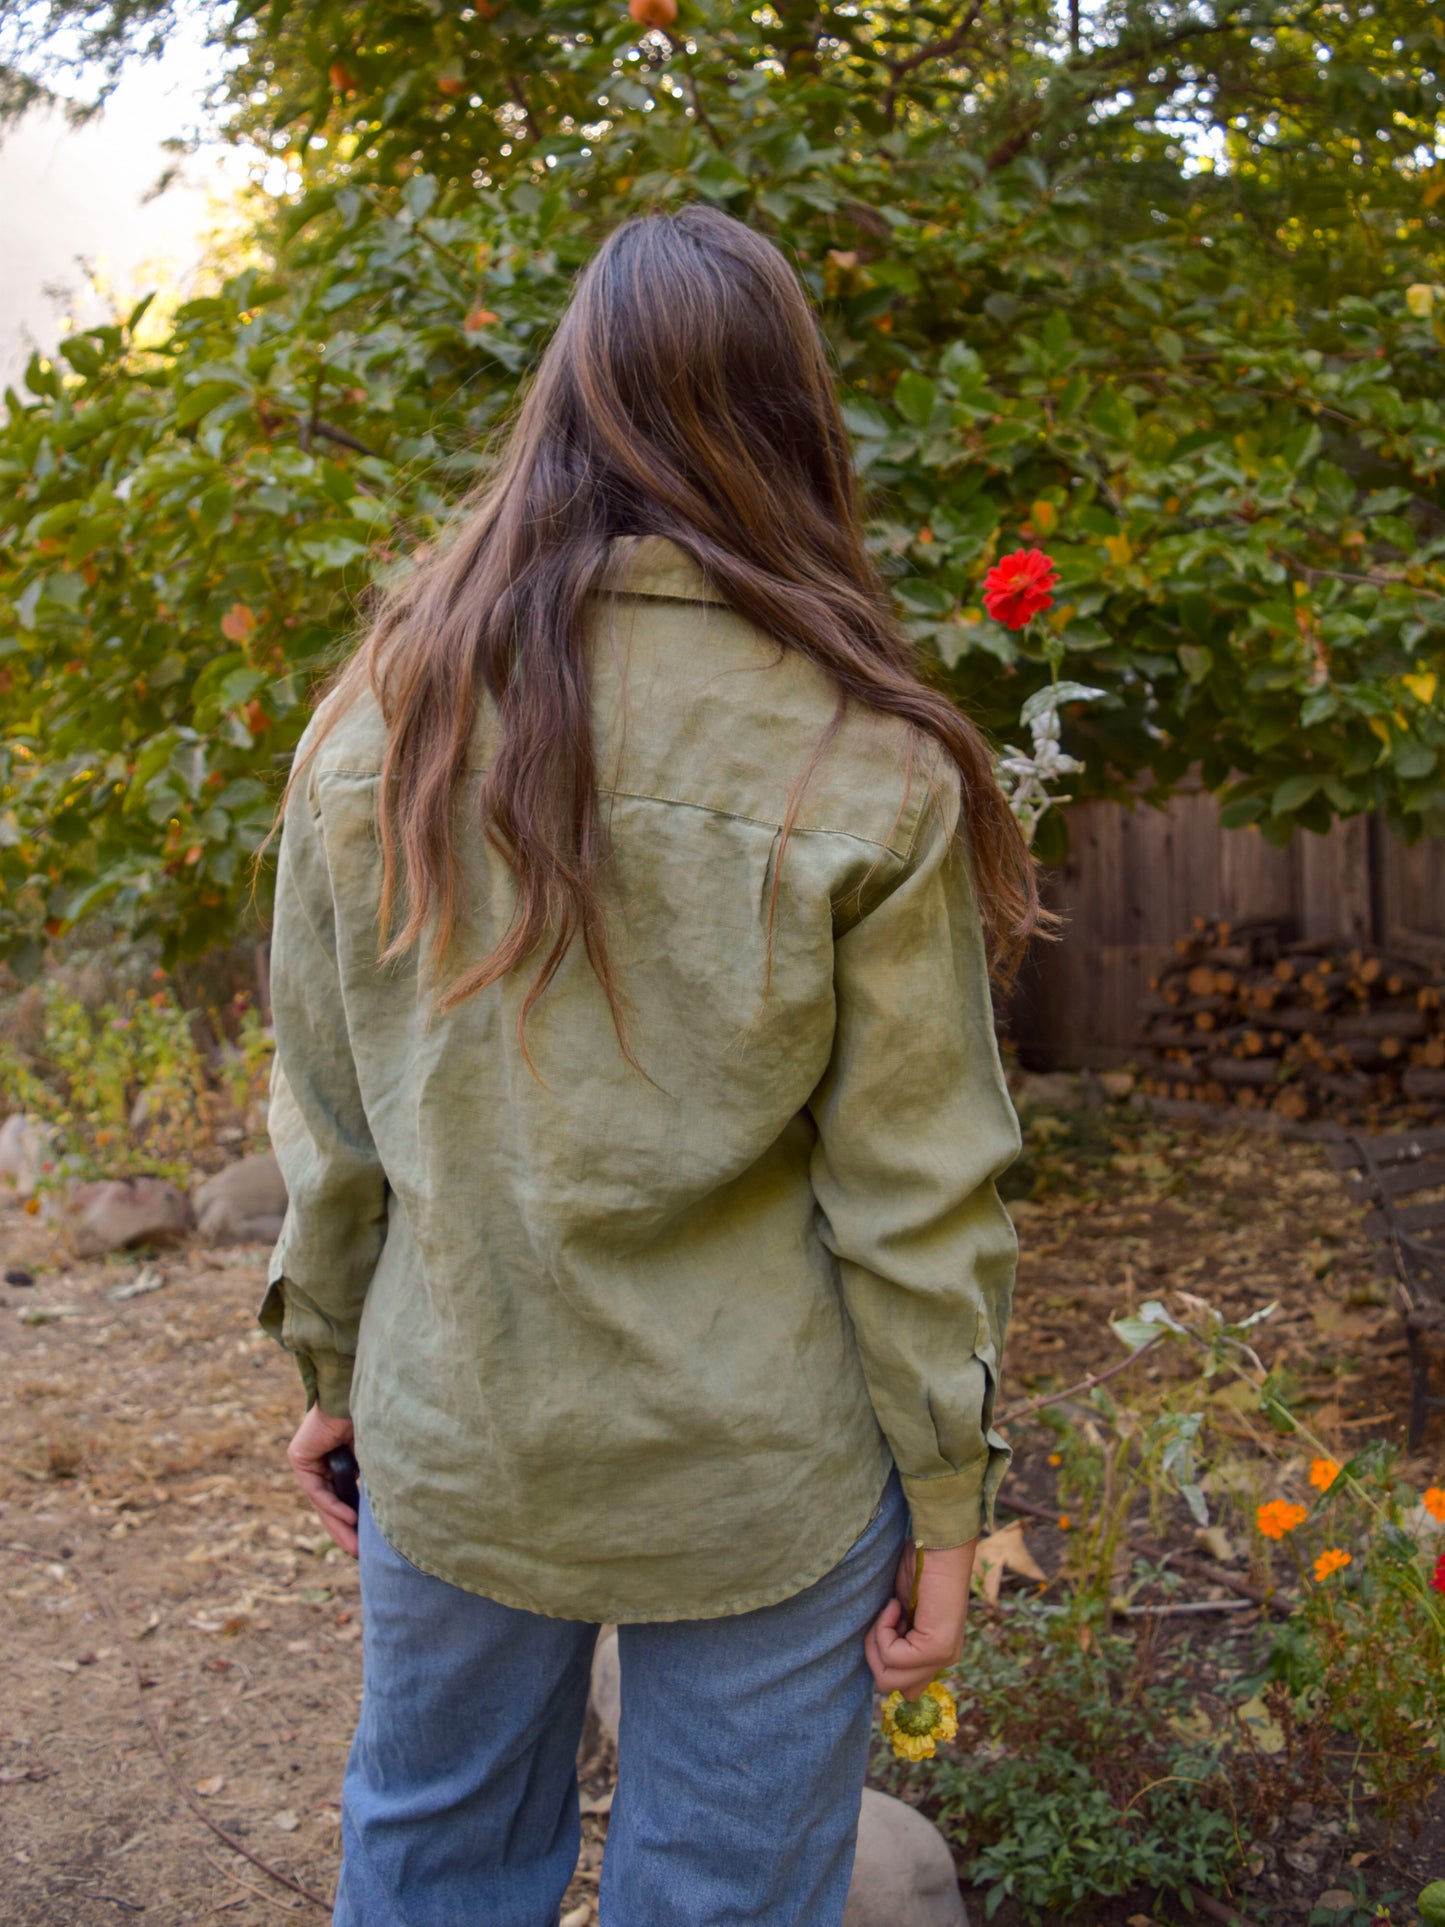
{"points": [[1116, 1085], [26, 1149], [607, 1682], [242, 1205], [903, 1875], [116, 1212], [1337, 1899], [1048, 1091]]}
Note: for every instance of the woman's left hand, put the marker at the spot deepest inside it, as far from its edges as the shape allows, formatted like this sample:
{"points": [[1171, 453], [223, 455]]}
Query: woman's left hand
{"points": [[315, 1437]]}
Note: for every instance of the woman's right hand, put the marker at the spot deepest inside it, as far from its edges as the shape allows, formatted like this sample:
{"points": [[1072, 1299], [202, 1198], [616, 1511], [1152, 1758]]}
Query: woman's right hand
{"points": [[315, 1437], [907, 1658]]}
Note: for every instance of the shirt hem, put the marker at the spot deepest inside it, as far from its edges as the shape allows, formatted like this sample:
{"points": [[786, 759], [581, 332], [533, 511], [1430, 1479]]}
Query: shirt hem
{"points": [[613, 1612]]}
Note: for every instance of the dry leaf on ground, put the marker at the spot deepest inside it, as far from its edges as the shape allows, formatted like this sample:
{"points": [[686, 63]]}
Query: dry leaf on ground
{"points": [[1005, 1551]]}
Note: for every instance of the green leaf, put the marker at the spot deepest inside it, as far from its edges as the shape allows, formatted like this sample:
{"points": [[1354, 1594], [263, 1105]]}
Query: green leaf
{"points": [[1113, 416], [83, 355], [1293, 793], [198, 402], [916, 398], [1197, 661], [419, 195]]}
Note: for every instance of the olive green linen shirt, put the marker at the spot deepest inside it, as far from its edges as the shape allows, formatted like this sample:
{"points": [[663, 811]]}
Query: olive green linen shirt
{"points": [[620, 1349]]}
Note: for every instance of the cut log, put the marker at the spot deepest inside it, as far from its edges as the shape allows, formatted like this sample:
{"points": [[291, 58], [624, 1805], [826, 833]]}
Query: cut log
{"points": [[1404, 1148], [1231, 956], [1353, 1087], [1323, 987], [1397, 1180], [1289, 1017], [1359, 1053], [1252, 1071], [1385, 1020], [1409, 1217], [1310, 947], [1159, 1036]]}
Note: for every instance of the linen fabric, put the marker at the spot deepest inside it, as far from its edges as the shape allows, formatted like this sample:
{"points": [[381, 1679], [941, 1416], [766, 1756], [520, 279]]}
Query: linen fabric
{"points": [[741, 1757], [642, 1347]]}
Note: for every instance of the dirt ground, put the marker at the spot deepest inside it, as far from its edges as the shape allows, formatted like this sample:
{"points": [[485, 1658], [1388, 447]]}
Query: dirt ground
{"points": [[156, 1558]]}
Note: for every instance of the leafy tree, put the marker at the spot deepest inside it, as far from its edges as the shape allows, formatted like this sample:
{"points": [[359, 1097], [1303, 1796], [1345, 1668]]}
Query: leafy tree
{"points": [[1212, 391]]}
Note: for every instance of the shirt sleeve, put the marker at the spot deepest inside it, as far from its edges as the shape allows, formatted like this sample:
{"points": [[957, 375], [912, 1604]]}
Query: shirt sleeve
{"points": [[336, 1190], [914, 1126]]}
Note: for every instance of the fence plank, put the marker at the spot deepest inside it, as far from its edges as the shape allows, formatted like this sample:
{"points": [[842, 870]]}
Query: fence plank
{"points": [[1134, 880]]}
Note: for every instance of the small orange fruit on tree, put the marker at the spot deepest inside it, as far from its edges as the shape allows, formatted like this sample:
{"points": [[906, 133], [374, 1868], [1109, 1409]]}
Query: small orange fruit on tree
{"points": [[653, 13]]}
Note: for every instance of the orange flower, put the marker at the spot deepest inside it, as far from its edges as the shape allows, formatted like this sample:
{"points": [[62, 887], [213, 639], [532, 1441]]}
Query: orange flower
{"points": [[1279, 1517], [1323, 1473], [1331, 1560], [1065, 1522], [1433, 1501], [1056, 1458]]}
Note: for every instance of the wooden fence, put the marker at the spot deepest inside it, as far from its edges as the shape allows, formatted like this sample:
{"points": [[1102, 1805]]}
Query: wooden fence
{"points": [[1136, 878]]}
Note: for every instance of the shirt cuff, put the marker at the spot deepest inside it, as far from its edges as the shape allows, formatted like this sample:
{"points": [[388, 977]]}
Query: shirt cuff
{"points": [[325, 1375], [954, 1508], [328, 1382]]}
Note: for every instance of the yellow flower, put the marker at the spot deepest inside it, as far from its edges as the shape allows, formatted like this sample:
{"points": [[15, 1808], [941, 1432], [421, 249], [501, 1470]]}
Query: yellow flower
{"points": [[1323, 1473], [1332, 1560], [916, 1726], [1279, 1517], [1434, 1502]]}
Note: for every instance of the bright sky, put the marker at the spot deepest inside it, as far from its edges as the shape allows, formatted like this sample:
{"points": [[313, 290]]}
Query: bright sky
{"points": [[74, 199]]}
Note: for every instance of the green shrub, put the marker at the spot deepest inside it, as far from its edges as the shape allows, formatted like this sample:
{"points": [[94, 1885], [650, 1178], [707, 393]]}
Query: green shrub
{"points": [[1085, 1779], [126, 1087]]}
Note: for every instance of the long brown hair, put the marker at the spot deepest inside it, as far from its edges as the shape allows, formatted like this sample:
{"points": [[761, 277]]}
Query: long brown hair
{"points": [[686, 393]]}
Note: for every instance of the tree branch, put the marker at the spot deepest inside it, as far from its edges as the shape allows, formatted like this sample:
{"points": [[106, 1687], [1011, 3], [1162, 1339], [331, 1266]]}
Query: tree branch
{"points": [[899, 70]]}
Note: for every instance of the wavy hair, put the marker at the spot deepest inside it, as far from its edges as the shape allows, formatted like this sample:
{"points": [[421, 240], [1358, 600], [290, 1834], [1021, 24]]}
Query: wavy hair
{"points": [[686, 393]]}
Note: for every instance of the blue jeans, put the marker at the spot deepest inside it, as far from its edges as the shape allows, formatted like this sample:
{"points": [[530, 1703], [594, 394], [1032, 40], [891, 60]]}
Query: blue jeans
{"points": [[741, 1757]]}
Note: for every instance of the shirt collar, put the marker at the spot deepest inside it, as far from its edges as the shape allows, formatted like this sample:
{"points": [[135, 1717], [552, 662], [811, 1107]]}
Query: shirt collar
{"points": [[654, 565]]}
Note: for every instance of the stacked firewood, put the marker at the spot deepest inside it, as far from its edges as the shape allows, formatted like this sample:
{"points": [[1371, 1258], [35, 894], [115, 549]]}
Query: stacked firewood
{"points": [[1242, 1016]]}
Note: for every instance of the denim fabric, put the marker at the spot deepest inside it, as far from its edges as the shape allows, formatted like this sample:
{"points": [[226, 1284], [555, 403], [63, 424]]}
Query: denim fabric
{"points": [[742, 1754]]}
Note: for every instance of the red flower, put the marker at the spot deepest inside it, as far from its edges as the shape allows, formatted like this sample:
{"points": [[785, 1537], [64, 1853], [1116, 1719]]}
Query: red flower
{"points": [[1438, 1582], [1016, 589]]}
